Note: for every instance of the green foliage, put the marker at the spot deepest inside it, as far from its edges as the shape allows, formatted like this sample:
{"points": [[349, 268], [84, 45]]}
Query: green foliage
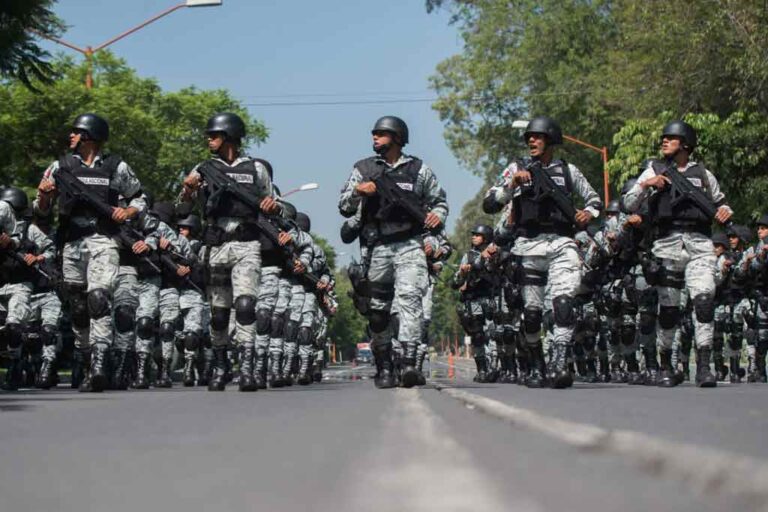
{"points": [[160, 134], [347, 328], [20, 55], [734, 148]]}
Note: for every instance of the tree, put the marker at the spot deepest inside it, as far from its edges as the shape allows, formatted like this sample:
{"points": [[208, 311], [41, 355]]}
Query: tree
{"points": [[160, 134], [20, 55]]}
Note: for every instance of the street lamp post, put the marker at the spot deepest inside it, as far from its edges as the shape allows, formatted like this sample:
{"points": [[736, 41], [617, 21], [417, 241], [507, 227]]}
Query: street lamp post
{"points": [[88, 51], [306, 186], [602, 150]]}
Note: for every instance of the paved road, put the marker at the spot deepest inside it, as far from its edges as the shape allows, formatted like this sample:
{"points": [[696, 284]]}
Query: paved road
{"points": [[342, 445]]}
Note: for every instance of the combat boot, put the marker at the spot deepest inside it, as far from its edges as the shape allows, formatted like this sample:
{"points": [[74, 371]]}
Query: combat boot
{"points": [[218, 380], [385, 378], [735, 376], [605, 369], [591, 372], [305, 377], [276, 371], [581, 369], [118, 370], [651, 366], [247, 382], [482, 369], [206, 369], [721, 371], [189, 369], [97, 376], [78, 368], [410, 375], [422, 355], [704, 376], [164, 373], [14, 375], [48, 378], [561, 376], [617, 375], [685, 375], [633, 367], [85, 381], [667, 377], [260, 369], [537, 377], [142, 371]]}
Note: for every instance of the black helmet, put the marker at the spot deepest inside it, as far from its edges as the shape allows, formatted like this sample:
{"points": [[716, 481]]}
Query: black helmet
{"points": [[96, 127], [613, 207], [303, 221], [165, 211], [15, 197], [722, 239], [192, 222], [678, 128], [547, 126], [485, 231], [394, 125], [289, 211], [149, 198], [230, 124], [762, 221]]}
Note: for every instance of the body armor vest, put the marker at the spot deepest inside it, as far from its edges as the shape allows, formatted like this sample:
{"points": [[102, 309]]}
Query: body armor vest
{"points": [[98, 179], [13, 271], [393, 224], [535, 215], [480, 282], [684, 215], [219, 203]]}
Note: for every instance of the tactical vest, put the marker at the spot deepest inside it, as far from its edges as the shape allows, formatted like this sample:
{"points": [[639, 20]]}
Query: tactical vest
{"points": [[219, 203], [271, 254], [97, 179], [480, 283], [393, 224], [684, 216], [533, 215], [13, 271]]}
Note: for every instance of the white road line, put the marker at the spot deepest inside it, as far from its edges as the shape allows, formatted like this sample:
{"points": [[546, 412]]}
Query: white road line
{"points": [[707, 470], [419, 466]]}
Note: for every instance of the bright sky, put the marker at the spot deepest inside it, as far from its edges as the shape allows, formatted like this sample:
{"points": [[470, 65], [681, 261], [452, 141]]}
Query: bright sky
{"points": [[272, 52]]}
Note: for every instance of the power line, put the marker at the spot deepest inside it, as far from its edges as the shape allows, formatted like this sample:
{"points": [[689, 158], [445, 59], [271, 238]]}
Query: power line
{"points": [[340, 102]]}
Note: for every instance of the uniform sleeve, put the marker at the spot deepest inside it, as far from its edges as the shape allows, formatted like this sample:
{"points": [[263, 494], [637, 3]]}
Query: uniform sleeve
{"points": [[45, 246], [458, 279], [7, 219], [636, 196], [47, 175], [434, 194], [265, 182], [181, 198], [581, 185], [501, 192], [350, 200], [717, 195], [128, 185]]}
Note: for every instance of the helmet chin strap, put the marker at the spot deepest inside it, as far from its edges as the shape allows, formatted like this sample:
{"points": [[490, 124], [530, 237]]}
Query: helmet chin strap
{"points": [[381, 149]]}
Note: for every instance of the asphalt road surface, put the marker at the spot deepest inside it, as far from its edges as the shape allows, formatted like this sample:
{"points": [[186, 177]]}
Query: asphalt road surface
{"points": [[342, 445]]}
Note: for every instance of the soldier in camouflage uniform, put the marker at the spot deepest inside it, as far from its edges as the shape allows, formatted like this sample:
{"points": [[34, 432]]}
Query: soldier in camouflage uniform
{"points": [[545, 242], [396, 245], [231, 239], [90, 258], [754, 264], [437, 250]]}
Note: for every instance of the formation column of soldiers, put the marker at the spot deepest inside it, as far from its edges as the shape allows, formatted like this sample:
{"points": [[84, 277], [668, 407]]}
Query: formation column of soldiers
{"points": [[242, 285], [551, 292]]}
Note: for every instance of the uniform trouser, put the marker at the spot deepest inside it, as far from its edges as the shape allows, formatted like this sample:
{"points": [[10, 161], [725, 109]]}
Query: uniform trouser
{"points": [[562, 266], [235, 271], [279, 318], [126, 301], [147, 311], [585, 333], [269, 293], [611, 319], [647, 308], [45, 309], [699, 282], [92, 262], [402, 265], [193, 311], [426, 315], [16, 298], [302, 312], [170, 314]]}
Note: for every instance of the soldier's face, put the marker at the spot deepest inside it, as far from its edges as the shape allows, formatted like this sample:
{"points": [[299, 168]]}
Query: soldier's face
{"points": [[762, 232], [719, 249], [734, 241], [477, 240], [537, 143], [215, 141], [75, 137], [382, 139], [184, 232], [670, 145]]}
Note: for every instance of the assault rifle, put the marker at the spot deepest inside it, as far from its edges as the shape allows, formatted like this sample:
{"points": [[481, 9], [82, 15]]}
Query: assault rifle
{"points": [[682, 189], [167, 258], [270, 226], [544, 186], [20, 260], [394, 197], [126, 234]]}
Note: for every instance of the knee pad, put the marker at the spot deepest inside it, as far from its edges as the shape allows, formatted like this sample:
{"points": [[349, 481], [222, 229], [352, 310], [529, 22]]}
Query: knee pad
{"points": [[291, 331], [125, 317], [191, 340], [263, 319], [669, 317], [219, 319], [627, 334], [647, 322], [378, 320], [14, 335], [245, 309], [98, 303], [145, 327], [276, 326], [48, 335], [532, 320], [304, 336], [704, 306], [79, 310], [167, 331], [563, 312]]}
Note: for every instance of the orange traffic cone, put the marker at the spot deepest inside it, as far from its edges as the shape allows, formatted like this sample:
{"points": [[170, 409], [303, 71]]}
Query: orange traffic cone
{"points": [[450, 365]]}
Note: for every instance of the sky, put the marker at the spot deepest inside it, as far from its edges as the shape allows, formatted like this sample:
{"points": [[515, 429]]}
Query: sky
{"points": [[331, 61]]}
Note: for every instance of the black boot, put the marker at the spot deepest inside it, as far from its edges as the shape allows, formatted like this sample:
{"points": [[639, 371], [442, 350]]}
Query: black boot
{"points": [[721, 371], [305, 375], [704, 376], [537, 377], [561, 376], [218, 380], [48, 378], [482, 369], [164, 373], [119, 381], [735, 370], [633, 367], [247, 381], [591, 372], [142, 371], [651, 366], [206, 370], [189, 369], [617, 375], [385, 378], [420, 357], [14, 375], [605, 369], [667, 377], [260, 369], [523, 365], [79, 367], [276, 370], [410, 375]]}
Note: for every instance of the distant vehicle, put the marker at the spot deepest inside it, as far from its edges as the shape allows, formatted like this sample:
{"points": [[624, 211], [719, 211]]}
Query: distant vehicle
{"points": [[363, 353]]}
